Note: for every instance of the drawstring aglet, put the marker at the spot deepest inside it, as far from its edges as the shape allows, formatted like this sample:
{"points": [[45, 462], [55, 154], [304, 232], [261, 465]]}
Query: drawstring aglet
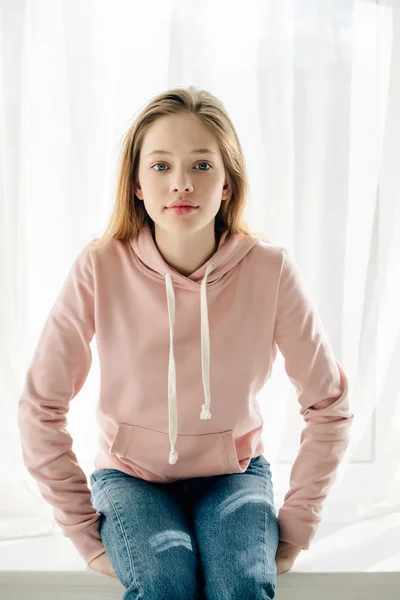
{"points": [[205, 413], [173, 457]]}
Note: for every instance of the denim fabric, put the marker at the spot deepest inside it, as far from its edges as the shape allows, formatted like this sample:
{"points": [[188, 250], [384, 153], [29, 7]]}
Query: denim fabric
{"points": [[212, 538]]}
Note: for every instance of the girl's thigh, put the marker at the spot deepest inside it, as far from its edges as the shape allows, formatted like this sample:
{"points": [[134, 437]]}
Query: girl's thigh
{"points": [[146, 535], [237, 533]]}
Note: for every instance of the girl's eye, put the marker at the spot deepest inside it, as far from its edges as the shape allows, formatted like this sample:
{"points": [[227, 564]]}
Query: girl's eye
{"points": [[201, 163]]}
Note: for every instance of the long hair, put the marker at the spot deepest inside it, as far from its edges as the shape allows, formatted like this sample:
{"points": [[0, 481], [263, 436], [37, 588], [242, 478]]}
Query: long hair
{"points": [[129, 214]]}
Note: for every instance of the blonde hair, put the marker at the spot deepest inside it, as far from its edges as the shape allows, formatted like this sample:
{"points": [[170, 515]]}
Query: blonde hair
{"points": [[129, 214]]}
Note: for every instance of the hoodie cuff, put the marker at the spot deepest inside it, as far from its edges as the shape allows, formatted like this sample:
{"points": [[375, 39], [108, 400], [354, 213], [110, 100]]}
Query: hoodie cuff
{"points": [[296, 527], [88, 542]]}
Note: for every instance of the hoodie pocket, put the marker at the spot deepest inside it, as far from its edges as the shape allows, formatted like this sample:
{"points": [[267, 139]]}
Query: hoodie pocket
{"points": [[146, 452]]}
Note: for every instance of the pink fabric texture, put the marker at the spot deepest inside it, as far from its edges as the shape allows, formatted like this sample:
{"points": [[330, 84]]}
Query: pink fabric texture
{"points": [[182, 359]]}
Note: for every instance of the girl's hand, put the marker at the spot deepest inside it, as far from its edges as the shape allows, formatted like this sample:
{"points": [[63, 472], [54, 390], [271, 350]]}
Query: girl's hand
{"points": [[285, 556], [102, 565]]}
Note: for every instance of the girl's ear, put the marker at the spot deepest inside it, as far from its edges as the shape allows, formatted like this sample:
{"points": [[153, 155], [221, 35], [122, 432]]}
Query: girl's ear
{"points": [[138, 190], [227, 191]]}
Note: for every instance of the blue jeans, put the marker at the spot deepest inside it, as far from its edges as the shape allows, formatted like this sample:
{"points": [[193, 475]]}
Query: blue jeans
{"points": [[212, 538]]}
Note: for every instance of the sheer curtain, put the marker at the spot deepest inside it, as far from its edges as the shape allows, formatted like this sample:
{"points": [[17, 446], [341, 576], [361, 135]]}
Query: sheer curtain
{"points": [[313, 88]]}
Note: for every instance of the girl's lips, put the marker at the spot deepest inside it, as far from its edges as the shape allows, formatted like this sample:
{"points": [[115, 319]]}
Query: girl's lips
{"points": [[183, 205], [183, 210]]}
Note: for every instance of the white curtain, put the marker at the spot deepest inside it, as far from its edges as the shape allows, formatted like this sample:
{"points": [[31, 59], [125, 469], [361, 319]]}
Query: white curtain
{"points": [[313, 88]]}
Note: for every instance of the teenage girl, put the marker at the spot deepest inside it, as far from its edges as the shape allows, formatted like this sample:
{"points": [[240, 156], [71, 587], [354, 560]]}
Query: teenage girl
{"points": [[189, 307]]}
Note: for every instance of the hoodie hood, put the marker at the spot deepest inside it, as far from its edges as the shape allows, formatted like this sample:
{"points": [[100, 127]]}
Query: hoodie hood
{"points": [[228, 253]]}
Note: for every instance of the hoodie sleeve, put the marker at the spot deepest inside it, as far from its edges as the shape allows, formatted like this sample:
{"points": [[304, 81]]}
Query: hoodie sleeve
{"points": [[57, 372], [322, 391]]}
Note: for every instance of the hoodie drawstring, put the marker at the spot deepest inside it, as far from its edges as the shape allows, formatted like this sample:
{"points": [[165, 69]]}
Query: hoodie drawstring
{"points": [[205, 359]]}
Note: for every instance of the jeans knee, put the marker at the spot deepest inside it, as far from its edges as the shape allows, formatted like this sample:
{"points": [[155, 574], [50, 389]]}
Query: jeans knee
{"points": [[244, 588], [163, 588]]}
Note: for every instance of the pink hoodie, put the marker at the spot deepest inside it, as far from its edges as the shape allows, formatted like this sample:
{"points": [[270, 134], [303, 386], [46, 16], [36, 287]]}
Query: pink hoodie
{"points": [[182, 359]]}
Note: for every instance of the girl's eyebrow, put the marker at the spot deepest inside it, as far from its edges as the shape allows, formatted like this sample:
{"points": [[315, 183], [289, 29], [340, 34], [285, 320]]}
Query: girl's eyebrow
{"points": [[198, 151]]}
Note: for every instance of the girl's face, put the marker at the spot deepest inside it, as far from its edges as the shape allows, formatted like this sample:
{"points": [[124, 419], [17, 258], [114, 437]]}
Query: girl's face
{"points": [[181, 172]]}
